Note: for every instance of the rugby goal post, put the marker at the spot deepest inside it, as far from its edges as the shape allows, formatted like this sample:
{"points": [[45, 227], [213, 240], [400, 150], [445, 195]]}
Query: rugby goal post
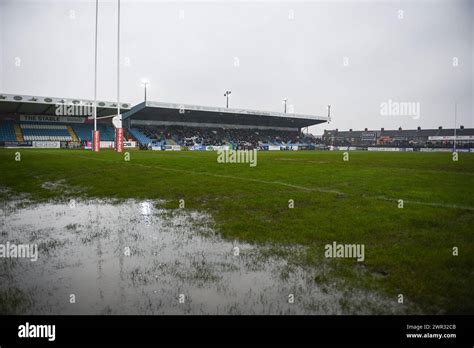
{"points": [[117, 119]]}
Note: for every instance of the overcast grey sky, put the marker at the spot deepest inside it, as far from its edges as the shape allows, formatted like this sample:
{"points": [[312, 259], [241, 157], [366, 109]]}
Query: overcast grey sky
{"points": [[354, 55]]}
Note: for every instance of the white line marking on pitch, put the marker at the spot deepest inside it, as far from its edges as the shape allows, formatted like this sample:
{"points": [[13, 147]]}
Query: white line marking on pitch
{"points": [[433, 204]]}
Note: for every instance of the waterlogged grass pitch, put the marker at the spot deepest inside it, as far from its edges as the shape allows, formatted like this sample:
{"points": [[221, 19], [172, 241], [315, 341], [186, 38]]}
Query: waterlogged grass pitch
{"points": [[410, 211]]}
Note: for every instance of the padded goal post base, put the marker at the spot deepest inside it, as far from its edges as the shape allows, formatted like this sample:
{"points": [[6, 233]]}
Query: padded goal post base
{"points": [[119, 139], [96, 141]]}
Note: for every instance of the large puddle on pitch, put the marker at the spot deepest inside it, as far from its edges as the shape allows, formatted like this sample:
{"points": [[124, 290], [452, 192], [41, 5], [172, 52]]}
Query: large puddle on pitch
{"points": [[131, 257]]}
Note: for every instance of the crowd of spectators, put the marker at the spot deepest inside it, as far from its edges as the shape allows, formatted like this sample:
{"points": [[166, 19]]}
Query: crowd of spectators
{"points": [[240, 138], [253, 138]]}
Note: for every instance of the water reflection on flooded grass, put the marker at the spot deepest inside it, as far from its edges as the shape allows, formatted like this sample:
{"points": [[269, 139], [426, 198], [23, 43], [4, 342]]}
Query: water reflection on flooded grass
{"points": [[130, 257]]}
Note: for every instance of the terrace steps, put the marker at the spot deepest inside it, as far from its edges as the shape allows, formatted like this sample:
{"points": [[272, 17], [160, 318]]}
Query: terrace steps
{"points": [[73, 135], [18, 132]]}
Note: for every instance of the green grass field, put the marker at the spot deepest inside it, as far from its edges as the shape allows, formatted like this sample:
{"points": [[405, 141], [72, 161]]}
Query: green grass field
{"points": [[408, 251]]}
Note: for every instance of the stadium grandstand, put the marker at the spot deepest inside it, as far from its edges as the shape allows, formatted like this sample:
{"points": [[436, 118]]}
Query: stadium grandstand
{"points": [[414, 138], [32, 121], [28, 121], [156, 125]]}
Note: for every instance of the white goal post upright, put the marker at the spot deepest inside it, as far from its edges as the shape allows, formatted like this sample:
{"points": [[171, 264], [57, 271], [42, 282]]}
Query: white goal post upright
{"points": [[95, 133], [118, 120]]}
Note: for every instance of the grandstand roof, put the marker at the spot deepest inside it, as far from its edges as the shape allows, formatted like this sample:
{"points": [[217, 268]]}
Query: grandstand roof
{"points": [[352, 134], [180, 113], [426, 132], [34, 105], [394, 133]]}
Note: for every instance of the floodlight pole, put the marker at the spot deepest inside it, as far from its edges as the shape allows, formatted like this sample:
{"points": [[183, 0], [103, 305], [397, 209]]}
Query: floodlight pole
{"points": [[226, 94], [145, 84], [285, 100], [455, 121]]}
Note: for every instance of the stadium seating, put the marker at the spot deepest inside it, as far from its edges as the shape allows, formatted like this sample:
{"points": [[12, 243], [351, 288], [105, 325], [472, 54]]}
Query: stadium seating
{"points": [[38, 131], [84, 131], [45, 132], [192, 136], [139, 136], [107, 133], [7, 132]]}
